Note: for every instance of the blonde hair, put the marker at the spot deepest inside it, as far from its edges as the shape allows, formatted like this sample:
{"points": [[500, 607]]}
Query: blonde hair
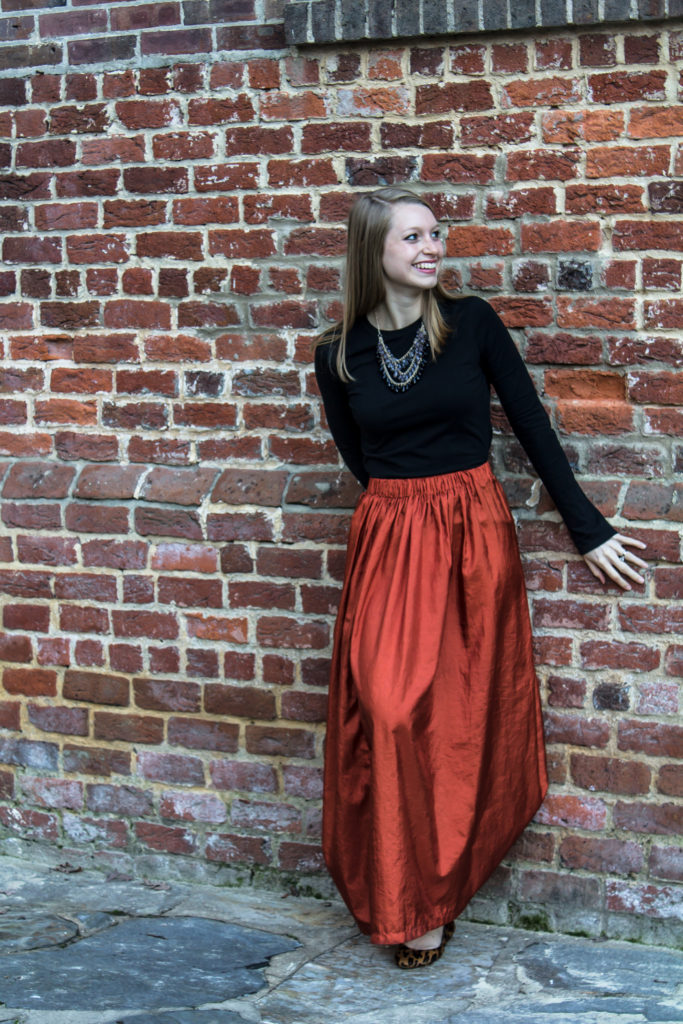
{"points": [[364, 289]]}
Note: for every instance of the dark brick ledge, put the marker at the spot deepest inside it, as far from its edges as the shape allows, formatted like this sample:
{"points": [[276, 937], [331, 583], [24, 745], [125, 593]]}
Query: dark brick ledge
{"points": [[332, 21]]}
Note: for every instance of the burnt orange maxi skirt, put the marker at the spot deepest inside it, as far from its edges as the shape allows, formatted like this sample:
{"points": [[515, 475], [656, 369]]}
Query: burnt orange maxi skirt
{"points": [[434, 758]]}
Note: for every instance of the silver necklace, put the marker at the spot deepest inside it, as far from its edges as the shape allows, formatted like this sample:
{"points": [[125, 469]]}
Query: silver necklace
{"points": [[400, 372]]}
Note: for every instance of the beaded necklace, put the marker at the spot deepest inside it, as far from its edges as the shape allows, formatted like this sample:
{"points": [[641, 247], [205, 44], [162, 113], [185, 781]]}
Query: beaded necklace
{"points": [[400, 372]]}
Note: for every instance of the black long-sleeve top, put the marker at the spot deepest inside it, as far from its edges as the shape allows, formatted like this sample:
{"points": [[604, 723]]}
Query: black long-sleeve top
{"points": [[443, 422]]}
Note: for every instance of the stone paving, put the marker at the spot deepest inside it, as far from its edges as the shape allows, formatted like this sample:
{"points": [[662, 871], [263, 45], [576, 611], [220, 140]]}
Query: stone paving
{"points": [[78, 948]]}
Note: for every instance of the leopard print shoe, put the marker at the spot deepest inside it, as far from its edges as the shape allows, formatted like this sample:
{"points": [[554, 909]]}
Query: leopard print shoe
{"points": [[408, 958]]}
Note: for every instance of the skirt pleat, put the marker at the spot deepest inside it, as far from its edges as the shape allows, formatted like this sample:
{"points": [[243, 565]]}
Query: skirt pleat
{"points": [[434, 757]]}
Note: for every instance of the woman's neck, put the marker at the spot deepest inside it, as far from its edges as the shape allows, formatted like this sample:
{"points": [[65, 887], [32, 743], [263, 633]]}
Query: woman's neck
{"points": [[396, 312]]}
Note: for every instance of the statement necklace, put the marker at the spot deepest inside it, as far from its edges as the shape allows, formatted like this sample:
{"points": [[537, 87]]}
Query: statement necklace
{"points": [[401, 372]]}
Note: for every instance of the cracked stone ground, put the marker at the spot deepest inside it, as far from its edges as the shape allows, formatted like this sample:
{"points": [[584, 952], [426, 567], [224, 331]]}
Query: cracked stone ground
{"points": [[76, 948]]}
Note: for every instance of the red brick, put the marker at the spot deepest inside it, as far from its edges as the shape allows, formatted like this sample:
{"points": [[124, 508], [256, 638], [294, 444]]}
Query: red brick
{"points": [[674, 660], [530, 92], [194, 733], [15, 648], [183, 486], [261, 594], [226, 177], [247, 776], [193, 807], [216, 210], [657, 699], [641, 49], [458, 168], [38, 480], [53, 651], [239, 701], [96, 688], [601, 856], [239, 666], [48, 153], [63, 410], [265, 73], [58, 793], [660, 819], [30, 824], [173, 768], [129, 728], [670, 780], [115, 554], [613, 654], [325, 138], [576, 730], [572, 811], [96, 760], [91, 519], [534, 846], [63, 720], [277, 740], [534, 165], [271, 817], [304, 707], [640, 618], [10, 715], [651, 501], [158, 451], [627, 87], [213, 627], [648, 900], [277, 669], [280, 631], [77, 619], [32, 682], [156, 625], [611, 161], [666, 862], [192, 557], [165, 838], [231, 849], [189, 592], [650, 738], [300, 857], [650, 123], [130, 313], [163, 522]]}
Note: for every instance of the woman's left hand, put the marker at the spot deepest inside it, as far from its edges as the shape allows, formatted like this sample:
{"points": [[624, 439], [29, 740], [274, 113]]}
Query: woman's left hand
{"points": [[611, 559]]}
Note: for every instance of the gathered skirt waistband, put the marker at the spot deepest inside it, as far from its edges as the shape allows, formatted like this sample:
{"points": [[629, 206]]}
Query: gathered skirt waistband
{"points": [[442, 483]]}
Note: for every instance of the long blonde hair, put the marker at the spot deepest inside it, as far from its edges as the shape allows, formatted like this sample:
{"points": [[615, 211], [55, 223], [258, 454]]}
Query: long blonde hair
{"points": [[364, 289]]}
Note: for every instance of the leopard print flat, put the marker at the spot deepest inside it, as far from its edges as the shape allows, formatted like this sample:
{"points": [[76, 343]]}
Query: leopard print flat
{"points": [[408, 958]]}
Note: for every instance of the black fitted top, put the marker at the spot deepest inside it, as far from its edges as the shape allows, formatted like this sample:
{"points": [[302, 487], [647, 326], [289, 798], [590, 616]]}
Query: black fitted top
{"points": [[443, 422]]}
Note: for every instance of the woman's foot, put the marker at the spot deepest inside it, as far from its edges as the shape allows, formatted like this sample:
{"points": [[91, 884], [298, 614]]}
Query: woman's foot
{"points": [[409, 955], [430, 940]]}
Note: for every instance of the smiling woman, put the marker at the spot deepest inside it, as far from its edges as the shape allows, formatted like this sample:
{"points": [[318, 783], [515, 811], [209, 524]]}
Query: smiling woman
{"points": [[434, 760]]}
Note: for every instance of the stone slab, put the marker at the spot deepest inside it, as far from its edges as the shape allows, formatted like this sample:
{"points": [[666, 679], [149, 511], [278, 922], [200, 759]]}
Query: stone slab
{"points": [[143, 963], [85, 891], [326, 990], [608, 970], [24, 930], [186, 1017]]}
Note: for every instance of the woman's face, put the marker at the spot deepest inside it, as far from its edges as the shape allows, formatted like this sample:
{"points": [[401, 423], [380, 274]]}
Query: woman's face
{"points": [[413, 249]]}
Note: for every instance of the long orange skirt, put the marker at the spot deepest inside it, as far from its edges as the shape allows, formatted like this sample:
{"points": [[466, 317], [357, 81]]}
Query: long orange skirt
{"points": [[434, 758]]}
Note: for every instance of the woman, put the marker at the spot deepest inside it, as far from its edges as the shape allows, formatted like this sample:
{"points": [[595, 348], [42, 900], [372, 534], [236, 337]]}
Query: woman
{"points": [[434, 758]]}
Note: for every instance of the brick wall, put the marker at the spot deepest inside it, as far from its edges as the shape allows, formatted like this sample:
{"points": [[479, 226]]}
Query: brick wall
{"points": [[173, 510]]}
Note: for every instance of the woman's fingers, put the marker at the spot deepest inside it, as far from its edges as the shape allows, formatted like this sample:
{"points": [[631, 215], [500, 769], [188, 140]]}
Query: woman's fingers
{"points": [[615, 561]]}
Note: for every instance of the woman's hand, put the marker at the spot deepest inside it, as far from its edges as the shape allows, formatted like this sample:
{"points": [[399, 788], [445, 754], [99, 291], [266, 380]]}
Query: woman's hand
{"points": [[612, 558]]}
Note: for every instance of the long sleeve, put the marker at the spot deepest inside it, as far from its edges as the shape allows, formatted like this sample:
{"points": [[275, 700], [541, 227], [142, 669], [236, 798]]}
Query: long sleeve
{"points": [[343, 427], [505, 369]]}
